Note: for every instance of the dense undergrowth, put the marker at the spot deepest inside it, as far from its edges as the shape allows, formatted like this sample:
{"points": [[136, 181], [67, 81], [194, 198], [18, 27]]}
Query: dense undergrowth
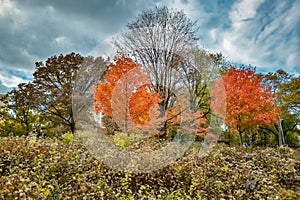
{"points": [[50, 169]]}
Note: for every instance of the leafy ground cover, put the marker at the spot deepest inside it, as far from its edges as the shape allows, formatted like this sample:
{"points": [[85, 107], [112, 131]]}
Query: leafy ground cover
{"points": [[51, 169]]}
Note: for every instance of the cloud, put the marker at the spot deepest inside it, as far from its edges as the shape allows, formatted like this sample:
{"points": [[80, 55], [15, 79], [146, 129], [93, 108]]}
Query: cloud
{"points": [[10, 15], [34, 30], [192, 8], [62, 42], [3, 88], [10, 80], [243, 11], [261, 33]]}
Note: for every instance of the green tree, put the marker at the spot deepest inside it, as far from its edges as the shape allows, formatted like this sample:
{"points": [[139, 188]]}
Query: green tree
{"points": [[286, 88], [19, 114]]}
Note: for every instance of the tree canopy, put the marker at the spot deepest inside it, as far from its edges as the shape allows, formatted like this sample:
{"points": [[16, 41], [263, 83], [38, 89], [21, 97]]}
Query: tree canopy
{"points": [[248, 105], [133, 100]]}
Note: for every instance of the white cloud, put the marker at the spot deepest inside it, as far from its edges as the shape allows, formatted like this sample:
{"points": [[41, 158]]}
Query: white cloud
{"points": [[263, 39], [237, 41], [243, 11], [213, 34], [7, 7], [11, 81], [257, 32], [10, 12], [62, 42], [192, 8]]}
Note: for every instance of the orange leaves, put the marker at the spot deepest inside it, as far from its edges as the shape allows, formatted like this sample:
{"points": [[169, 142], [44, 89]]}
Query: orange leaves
{"points": [[102, 95], [218, 102], [125, 91], [103, 92], [140, 103], [247, 104], [120, 68]]}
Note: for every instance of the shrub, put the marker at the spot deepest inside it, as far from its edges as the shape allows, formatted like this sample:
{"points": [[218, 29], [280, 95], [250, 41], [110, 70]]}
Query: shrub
{"points": [[67, 138], [48, 169]]}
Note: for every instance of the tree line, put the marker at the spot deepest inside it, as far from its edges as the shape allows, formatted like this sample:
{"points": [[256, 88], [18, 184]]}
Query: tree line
{"points": [[262, 109]]}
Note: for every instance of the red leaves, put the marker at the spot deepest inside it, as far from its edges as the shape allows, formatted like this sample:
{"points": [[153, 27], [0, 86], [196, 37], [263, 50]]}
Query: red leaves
{"points": [[247, 104]]}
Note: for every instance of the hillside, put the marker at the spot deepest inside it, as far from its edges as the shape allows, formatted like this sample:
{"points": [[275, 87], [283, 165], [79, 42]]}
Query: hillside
{"points": [[50, 169]]}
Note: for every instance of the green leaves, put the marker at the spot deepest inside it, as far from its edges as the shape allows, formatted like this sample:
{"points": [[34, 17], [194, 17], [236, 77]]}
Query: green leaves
{"points": [[286, 87]]}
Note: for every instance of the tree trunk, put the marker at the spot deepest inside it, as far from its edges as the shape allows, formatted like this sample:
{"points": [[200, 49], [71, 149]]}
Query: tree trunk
{"points": [[280, 133], [229, 138], [241, 138], [72, 122], [265, 139], [163, 129], [250, 139], [72, 126]]}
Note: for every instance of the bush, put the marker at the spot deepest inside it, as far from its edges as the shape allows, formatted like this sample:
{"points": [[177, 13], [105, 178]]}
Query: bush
{"points": [[109, 125], [67, 138], [122, 140], [48, 169]]}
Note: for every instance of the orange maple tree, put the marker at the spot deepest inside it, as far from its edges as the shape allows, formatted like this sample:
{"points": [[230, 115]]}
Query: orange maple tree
{"points": [[239, 97], [127, 88]]}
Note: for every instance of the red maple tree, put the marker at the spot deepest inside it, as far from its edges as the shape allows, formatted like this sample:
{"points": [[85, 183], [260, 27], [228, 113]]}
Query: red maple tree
{"points": [[239, 97]]}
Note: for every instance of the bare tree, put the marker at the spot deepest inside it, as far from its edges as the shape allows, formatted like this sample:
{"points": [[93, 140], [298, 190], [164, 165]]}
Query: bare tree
{"points": [[164, 41], [159, 39], [89, 74]]}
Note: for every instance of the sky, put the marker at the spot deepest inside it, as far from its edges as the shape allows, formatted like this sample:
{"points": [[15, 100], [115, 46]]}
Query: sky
{"points": [[261, 33]]}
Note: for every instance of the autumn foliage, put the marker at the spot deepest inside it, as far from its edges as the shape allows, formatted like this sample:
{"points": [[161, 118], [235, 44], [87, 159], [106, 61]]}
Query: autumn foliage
{"points": [[140, 103], [239, 97], [190, 122], [129, 91]]}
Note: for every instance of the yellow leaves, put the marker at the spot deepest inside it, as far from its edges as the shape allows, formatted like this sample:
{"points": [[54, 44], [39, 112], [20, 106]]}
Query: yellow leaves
{"points": [[224, 171], [46, 192]]}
